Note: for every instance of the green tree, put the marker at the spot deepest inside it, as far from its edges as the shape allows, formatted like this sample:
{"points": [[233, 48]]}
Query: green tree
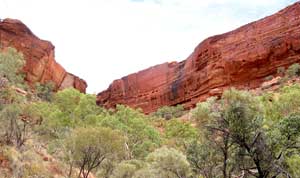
{"points": [[14, 125], [142, 137], [11, 63], [285, 143], [204, 159], [87, 108], [214, 139], [243, 113], [89, 147], [205, 112], [289, 128], [53, 123], [80, 109], [45, 91], [67, 100], [169, 163], [234, 129], [181, 133]]}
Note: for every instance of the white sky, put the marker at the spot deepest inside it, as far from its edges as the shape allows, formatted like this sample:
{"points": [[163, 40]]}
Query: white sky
{"points": [[103, 40]]}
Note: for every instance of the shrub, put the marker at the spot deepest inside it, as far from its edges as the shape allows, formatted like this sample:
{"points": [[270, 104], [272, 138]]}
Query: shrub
{"points": [[290, 127], [8, 96], [182, 133], [76, 106], [270, 77], [288, 100], [67, 100], [204, 113], [142, 137], [203, 159], [15, 160], [89, 147], [281, 71], [26, 163], [45, 91], [13, 128], [126, 169], [11, 63], [293, 70], [169, 112], [294, 165], [169, 162], [53, 122]]}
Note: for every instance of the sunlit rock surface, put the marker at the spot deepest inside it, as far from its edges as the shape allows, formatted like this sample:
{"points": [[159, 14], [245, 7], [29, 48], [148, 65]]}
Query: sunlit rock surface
{"points": [[241, 58]]}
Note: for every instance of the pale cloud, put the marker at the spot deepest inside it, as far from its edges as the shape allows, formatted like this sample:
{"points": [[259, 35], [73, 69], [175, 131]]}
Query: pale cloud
{"points": [[102, 40]]}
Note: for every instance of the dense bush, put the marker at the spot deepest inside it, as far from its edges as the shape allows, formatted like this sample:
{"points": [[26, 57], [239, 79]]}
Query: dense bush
{"points": [[169, 162], [293, 70], [281, 71], [90, 147], [242, 131], [180, 133], [142, 137], [169, 112], [45, 91], [16, 122], [11, 63], [127, 169]]}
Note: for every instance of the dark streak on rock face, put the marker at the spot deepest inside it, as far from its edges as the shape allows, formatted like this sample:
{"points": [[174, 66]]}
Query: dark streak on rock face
{"points": [[176, 85]]}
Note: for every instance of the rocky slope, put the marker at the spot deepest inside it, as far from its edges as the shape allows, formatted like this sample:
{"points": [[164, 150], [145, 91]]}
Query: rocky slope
{"points": [[39, 55], [241, 58]]}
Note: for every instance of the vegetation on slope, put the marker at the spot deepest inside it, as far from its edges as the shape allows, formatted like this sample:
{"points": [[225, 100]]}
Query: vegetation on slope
{"points": [[65, 134]]}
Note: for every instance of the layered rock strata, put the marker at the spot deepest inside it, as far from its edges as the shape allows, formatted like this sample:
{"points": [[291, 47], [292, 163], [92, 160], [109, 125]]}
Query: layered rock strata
{"points": [[241, 58]]}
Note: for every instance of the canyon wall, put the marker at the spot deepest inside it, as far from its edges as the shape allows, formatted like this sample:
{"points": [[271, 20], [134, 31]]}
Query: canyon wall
{"points": [[39, 55], [241, 58]]}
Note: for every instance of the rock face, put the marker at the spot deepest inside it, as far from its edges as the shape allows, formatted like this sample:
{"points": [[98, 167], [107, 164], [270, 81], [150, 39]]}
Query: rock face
{"points": [[39, 55], [241, 58]]}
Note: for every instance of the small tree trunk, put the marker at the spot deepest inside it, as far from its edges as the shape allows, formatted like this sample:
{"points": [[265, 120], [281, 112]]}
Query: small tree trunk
{"points": [[70, 170], [88, 173], [80, 172], [225, 156], [225, 165]]}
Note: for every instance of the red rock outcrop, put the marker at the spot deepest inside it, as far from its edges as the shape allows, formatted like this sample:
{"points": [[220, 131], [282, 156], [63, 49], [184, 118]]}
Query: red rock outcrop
{"points": [[39, 55], [241, 58]]}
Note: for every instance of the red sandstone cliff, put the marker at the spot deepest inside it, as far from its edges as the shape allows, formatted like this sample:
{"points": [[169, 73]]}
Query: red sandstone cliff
{"points": [[241, 58], [39, 55]]}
